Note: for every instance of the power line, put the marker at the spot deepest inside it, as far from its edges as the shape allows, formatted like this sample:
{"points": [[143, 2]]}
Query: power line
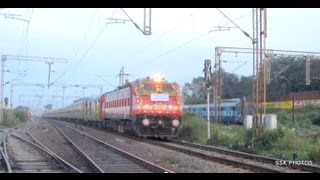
{"points": [[184, 44], [171, 29], [244, 32], [240, 66], [97, 37], [76, 53], [86, 52], [85, 34], [249, 12], [190, 41], [135, 24], [106, 81], [27, 33], [175, 48]]}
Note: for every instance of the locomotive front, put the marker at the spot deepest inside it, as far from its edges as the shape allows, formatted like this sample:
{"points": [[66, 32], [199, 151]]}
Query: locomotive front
{"points": [[157, 107]]}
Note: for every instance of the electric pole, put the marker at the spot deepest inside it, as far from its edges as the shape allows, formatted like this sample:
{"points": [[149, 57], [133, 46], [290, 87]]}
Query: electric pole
{"points": [[146, 21], [308, 65], [269, 54], [208, 83], [64, 86], [123, 77]]}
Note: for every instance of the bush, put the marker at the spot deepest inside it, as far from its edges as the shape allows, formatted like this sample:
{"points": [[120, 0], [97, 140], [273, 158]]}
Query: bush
{"points": [[268, 139], [315, 154], [314, 116], [9, 119], [21, 115], [12, 118], [230, 136], [192, 128]]}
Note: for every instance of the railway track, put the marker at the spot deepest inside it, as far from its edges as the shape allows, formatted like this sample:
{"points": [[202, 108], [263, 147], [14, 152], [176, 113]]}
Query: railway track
{"points": [[6, 167], [107, 158], [25, 154], [28, 157], [234, 158], [62, 149], [267, 160]]}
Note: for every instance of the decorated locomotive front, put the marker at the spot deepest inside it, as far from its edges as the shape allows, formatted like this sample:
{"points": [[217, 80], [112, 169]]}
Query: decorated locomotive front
{"points": [[157, 107]]}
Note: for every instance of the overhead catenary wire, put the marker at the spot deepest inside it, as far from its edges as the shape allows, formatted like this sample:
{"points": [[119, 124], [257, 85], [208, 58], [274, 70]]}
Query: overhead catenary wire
{"points": [[134, 23], [77, 50], [177, 47], [85, 33], [192, 40], [243, 31], [24, 35], [86, 52], [240, 17], [170, 30]]}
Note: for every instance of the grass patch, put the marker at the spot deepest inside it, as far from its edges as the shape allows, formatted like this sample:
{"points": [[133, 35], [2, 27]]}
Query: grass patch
{"points": [[193, 128], [301, 138], [171, 160]]}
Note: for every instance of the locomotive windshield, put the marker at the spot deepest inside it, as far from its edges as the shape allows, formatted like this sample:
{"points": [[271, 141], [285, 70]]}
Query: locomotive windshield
{"points": [[167, 88], [156, 88]]}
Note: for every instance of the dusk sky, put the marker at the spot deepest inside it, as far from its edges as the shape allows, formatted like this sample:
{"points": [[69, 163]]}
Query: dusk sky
{"points": [[181, 40]]}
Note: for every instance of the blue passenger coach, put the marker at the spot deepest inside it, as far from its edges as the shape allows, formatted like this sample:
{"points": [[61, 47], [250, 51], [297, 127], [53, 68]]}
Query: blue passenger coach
{"points": [[231, 111]]}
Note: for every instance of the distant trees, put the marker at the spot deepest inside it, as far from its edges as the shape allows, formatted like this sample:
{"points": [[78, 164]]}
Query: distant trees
{"points": [[194, 92], [287, 75], [232, 87], [48, 106]]}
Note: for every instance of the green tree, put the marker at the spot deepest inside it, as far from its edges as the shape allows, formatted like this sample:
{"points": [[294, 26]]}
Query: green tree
{"points": [[233, 86], [194, 92]]}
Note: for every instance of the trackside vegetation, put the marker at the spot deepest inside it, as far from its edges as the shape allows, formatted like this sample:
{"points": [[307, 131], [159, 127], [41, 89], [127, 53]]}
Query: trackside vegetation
{"points": [[15, 117], [300, 136]]}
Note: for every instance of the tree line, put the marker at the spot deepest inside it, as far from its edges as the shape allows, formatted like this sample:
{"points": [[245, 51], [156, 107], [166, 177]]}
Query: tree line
{"points": [[287, 74]]}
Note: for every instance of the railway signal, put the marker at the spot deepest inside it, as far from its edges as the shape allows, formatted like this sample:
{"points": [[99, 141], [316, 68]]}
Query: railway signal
{"points": [[207, 72]]}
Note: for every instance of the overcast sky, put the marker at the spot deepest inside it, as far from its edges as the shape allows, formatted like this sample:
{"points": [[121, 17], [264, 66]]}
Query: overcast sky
{"points": [[176, 49]]}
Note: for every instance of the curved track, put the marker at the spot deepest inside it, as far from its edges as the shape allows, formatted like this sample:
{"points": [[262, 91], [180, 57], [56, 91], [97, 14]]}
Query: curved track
{"points": [[4, 154]]}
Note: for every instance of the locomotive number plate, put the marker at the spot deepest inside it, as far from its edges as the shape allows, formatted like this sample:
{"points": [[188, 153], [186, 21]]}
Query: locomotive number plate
{"points": [[159, 97]]}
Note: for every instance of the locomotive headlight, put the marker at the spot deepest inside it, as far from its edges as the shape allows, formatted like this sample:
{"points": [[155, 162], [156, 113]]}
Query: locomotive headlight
{"points": [[175, 123], [146, 122]]}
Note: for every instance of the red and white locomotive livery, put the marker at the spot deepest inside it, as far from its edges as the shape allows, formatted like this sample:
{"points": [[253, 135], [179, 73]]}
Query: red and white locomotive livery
{"points": [[146, 107]]}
